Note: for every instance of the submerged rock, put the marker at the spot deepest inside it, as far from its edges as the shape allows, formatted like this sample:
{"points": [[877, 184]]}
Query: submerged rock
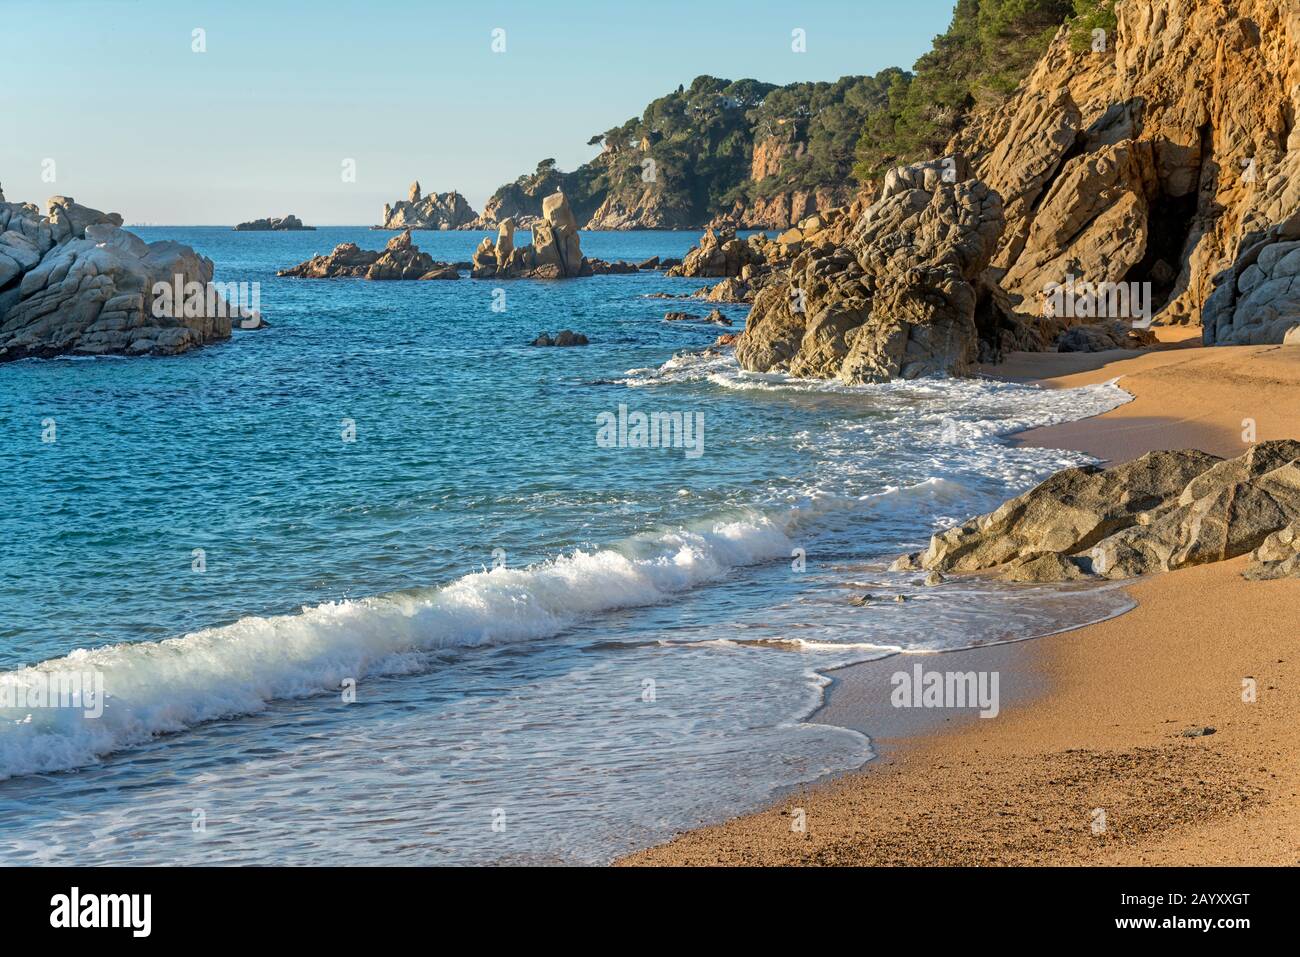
{"points": [[566, 337]]}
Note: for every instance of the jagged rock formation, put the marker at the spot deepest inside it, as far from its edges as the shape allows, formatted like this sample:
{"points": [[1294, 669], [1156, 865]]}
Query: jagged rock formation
{"points": [[1152, 160], [435, 211], [74, 281], [891, 292], [273, 224], [555, 252], [720, 254], [1163, 511], [400, 259]]}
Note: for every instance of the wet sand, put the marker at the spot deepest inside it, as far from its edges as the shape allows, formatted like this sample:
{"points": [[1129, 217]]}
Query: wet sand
{"points": [[1087, 761]]}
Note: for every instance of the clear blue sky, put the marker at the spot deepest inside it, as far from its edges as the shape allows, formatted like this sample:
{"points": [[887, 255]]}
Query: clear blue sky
{"points": [[260, 123]]}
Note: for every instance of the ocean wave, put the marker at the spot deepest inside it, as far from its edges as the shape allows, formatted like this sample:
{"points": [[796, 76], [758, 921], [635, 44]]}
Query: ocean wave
{"points": [[971, 409], [154, 688]]}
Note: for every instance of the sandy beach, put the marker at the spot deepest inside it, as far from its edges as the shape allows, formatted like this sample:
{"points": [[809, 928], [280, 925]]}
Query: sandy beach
{"points": [[1090, 760]]}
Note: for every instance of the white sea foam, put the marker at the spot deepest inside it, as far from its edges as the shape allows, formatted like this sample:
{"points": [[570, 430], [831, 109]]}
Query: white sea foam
{"points": [[155, 688]]}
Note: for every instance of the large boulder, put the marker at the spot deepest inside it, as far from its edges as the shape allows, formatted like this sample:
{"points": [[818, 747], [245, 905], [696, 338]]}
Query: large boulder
{"points": [[896, 298], [555, 239], [73, 281], [1164, 511]]}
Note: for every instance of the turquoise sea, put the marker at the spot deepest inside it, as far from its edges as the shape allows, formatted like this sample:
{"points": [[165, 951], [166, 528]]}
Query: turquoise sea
{"points": [[363, 586]]}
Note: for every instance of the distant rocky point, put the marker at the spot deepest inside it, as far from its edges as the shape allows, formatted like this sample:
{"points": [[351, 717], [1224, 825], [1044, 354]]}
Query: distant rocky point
{"points": [[435, 211], [273, 224], [73, 281]]}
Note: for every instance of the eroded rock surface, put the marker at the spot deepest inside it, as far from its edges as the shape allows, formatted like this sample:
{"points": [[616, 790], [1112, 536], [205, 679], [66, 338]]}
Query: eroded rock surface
{"points": [[1257, 299], [1155, 158], [73, 281], [1163, 511], [554, 253], [892, 292], [434, 211]]}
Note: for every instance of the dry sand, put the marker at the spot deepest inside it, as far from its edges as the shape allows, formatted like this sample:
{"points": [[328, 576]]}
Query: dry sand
{"points": [[1093, 718]]}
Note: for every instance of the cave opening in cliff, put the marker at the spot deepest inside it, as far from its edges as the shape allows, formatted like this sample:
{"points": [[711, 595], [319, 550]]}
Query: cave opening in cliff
{"points": [[1169, 225]]}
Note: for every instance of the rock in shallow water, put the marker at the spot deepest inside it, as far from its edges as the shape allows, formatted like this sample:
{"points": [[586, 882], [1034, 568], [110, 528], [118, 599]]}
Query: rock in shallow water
{"points": [[399, 259], [897, 299], [76, 282]]}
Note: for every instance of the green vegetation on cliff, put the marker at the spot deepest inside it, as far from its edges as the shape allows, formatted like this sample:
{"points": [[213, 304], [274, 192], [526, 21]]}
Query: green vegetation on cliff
{"points": [[719, 145], [988, 49], [689, 155], [1090, 15]]}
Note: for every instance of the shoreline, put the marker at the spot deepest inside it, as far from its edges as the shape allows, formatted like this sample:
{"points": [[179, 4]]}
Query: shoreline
{"points": [[1092, 717]]}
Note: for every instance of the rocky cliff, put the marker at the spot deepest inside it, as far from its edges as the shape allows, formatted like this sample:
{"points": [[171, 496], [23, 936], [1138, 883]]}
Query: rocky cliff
{"points": [[74, 281], [1155, 155], [741, 154], [1149, 176]]}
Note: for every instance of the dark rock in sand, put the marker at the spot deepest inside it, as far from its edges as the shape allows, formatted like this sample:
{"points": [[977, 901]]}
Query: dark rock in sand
{"points": [[1111, 334]]}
